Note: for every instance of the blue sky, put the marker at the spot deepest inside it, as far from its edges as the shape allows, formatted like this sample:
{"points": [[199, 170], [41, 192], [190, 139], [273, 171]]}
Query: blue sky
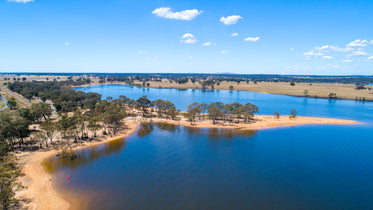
{"points": [[333, 37]]}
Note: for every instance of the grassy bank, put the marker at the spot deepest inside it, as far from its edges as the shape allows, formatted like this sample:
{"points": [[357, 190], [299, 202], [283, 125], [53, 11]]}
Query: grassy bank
{"points": [[314, 90]]}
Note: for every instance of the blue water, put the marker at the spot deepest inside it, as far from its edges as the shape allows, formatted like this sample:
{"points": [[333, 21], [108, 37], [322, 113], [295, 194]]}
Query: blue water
{"points": [[267, 103], [174, 167]]}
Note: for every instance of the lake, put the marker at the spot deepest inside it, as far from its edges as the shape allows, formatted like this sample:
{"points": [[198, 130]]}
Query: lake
{"points": [[174, 167]]}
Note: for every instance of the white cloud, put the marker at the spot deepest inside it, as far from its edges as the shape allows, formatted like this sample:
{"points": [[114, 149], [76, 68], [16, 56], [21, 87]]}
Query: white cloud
{"points": [[21, 1], [346, 61], [331, 48], [234, 34], [357, 54], [312, 53], [358, 43], [224, 51], [206, 44], [188, 38], [252, 39], [292, 49], [142, 51], [190, 41], [166, 12], [327, 57], [229, 20], [371, 42], [67, 43], [370, 58]]}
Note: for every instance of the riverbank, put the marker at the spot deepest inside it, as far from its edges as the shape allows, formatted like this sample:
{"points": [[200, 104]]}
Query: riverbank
{"points": [[39, 193], [309, 90], [261, 122]]}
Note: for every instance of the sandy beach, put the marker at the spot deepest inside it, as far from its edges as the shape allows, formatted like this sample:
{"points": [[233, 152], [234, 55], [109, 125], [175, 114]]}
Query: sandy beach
{"points": [[262, 122], [40, 191]]}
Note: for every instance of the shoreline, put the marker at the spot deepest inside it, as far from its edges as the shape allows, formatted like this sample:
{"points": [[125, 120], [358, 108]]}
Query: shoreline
{"points": [[40, 191], [262, 122], [40, 188], [218, 88]]}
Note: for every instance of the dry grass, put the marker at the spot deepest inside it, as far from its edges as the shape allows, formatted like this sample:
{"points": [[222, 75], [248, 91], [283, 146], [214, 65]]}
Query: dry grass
{"points": [[321, 90], [30, 78]]}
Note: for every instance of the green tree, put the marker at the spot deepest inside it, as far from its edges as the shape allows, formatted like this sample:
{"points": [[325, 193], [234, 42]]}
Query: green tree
{"points": [[12, 104], [41, 110], [293, 114], [231, 87], [9, 172], [305, 92], [26, 114], [143, 104], [50, 130], [277, 115], [192, 112]]}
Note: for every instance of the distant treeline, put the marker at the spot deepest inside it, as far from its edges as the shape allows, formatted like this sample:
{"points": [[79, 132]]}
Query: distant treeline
{"points": [[185, 77]]}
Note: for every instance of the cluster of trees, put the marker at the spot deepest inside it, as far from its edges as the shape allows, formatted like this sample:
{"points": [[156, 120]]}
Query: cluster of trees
{"points": [[64, 98], [224, 112], [9, 172], [182, 77]]}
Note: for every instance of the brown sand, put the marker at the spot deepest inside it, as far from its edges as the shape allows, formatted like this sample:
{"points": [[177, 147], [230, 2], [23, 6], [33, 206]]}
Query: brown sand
{"points": [[39, 184], [261, 122]]}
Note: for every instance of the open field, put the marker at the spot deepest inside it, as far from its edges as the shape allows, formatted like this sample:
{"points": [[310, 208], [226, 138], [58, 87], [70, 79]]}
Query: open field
{"points": [[315, 90], [320, 90]]}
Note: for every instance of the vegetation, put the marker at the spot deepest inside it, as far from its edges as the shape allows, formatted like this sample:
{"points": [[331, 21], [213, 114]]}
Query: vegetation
{"points": [[277, 115], [9, 172], [12, 104], [293, 114]]}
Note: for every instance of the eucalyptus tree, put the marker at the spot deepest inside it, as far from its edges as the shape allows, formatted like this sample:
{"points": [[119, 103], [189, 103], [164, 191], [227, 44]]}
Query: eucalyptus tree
{"points": [[215, 111], [202, 108], [277, 115], [41, 110], [26, 115], [12, 104], [293, 114], [192, 111], [143, 103], [50, 130]]}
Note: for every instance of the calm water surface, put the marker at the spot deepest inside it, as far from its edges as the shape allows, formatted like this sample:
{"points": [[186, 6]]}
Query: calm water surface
{"points": [[174, 167]]}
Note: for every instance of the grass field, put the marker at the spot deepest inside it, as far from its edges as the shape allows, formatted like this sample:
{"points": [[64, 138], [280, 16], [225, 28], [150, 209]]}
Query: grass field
{"points": [[321, 90]]}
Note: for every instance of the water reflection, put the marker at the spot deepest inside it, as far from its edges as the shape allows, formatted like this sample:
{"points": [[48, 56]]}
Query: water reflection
{"points": [[86, 156], [221, 133], [89, 155], [145, 129]]}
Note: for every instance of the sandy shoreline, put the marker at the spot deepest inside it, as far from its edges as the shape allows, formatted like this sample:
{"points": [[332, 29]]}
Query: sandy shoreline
{"points": [[39, 190], [263, 122], [39, 183]]}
